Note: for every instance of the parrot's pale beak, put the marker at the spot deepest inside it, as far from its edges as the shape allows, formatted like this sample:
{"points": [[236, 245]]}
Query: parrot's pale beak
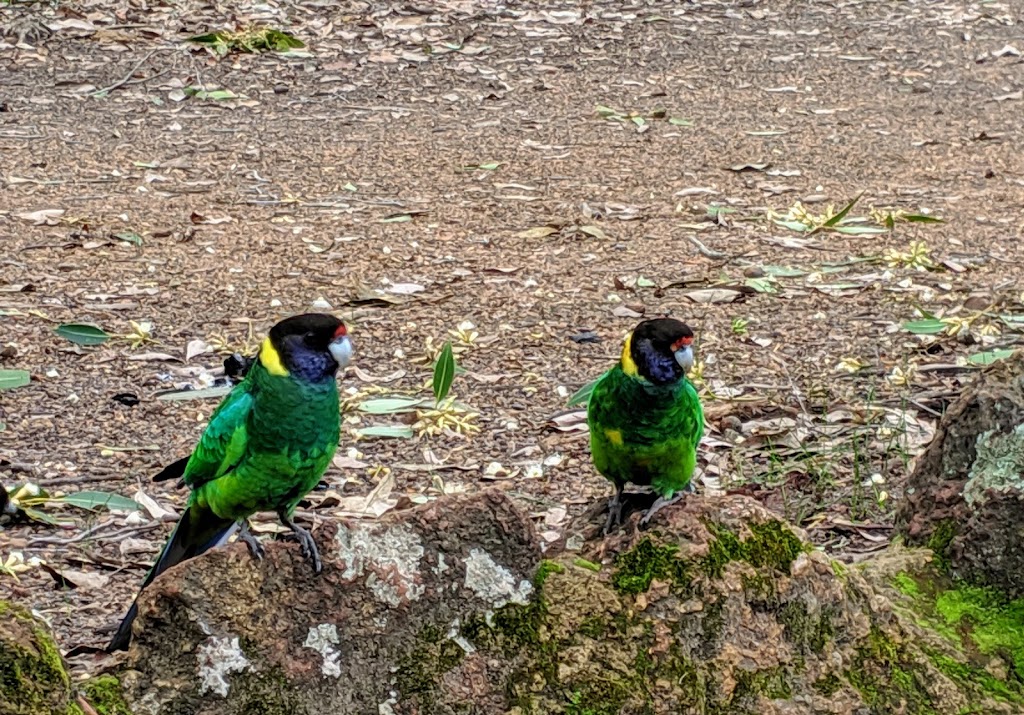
{"points": [[341, 350], [684, 356]]}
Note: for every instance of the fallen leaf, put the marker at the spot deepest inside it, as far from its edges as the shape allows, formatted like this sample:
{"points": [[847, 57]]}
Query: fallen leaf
{"points": [[713, 295], [43, 217], [624, 311], [70, 578], [152, 508], [404, 288], [537, 232]]}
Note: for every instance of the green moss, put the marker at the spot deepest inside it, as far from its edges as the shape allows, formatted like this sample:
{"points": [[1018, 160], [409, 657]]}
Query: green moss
{"points": [[978, 622], [887, 679], [32, 675], [593, 626], [992, 623], [433, 655], [105, 695], [828, 685], [712, 623], [760, 591], [967, 675], [809, 633], [773, 683], [684, 672], [771, 544], [907, 585], [939, 542], [545, 569], [638, 567], [597, 697]]}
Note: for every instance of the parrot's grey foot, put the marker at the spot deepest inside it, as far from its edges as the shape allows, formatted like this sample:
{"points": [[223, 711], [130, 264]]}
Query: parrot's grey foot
{"points": [[614, 512], [255, 547], [690, 487], [306, 542], [659, 504]]}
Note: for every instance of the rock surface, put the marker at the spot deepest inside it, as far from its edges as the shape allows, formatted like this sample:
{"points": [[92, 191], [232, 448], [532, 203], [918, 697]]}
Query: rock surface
{"points": [[446, 609], [449, 608], [965, 496], [32, 675]]}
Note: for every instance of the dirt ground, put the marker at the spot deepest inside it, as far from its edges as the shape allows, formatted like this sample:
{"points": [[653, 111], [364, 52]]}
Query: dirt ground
{"points": [[547, 171]]}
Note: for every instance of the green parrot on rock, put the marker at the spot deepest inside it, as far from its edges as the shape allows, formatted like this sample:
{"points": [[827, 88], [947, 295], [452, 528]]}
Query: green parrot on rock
{"points": [[265, 447], [645, 417]]}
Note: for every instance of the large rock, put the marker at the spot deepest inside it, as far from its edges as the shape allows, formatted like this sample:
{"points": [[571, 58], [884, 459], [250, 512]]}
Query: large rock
{"points": [[449, 608], [965, 496], [33, 677]]}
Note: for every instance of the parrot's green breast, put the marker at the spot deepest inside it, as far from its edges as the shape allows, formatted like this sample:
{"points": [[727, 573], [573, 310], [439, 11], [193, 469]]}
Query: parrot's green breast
{"points": [[643, 433], [274, 440]]}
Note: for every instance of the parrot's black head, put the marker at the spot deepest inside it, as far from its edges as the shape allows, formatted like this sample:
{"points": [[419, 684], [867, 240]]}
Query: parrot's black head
{"points": [[310, 347], [659, 351]]}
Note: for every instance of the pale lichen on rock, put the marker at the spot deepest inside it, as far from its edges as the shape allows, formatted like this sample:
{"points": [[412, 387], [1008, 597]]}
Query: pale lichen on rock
{"points": [[322, 639], [998, 465], [217, 658], [494, 583], [390, 558]]}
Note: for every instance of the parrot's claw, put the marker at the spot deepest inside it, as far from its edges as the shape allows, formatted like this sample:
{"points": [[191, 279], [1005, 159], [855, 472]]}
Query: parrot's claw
{"points": [[309, 549], [255, 547], [659, 504], [306, 542], [614, 512]]}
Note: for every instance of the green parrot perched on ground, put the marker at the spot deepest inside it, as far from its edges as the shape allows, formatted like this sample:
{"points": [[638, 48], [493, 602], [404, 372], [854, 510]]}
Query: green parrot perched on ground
{"points": [[645, 417], [266, 446]]}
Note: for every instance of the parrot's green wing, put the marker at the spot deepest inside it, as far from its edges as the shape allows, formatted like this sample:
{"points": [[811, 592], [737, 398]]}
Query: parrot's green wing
{"points": [[224, 441]]}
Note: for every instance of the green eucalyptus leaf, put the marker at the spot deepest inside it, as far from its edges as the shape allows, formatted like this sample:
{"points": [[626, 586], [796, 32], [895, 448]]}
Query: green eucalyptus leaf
{"points": [[83, 333], [929, 326], [95, 500], [989, 357], [834, 221], [386, 431], [9, 379], [444, 371], [390, 405]]}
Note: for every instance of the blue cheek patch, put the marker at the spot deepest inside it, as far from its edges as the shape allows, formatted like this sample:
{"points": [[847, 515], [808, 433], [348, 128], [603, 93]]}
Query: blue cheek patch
{"points": [[662, 369]]}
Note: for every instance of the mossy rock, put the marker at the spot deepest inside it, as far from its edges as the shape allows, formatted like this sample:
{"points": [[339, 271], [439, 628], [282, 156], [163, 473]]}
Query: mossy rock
{"points": [[33, 679]]}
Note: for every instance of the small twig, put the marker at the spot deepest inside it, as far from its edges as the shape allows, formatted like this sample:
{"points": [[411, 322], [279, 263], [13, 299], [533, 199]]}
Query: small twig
{"points": [[926, 408], [124, 80], [84, 535], [118, 535], [84, 479], [705, 251], [796, 390]]}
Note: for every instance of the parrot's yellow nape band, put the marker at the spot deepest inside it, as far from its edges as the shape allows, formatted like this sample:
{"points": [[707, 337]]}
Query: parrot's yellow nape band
{"points": [[271, 360]]}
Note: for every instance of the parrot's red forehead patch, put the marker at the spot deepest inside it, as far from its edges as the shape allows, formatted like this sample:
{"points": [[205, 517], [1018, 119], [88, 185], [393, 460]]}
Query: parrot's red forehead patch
{"points": [[340, 332], [682, 343]]}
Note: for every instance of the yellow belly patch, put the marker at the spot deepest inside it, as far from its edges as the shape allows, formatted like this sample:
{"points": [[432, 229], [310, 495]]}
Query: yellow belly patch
{"points": [[614, 436]]}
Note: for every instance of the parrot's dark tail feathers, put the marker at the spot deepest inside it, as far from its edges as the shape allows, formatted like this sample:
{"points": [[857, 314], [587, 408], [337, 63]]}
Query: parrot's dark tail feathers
{"points": [[198, 531], [174, 470]]}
